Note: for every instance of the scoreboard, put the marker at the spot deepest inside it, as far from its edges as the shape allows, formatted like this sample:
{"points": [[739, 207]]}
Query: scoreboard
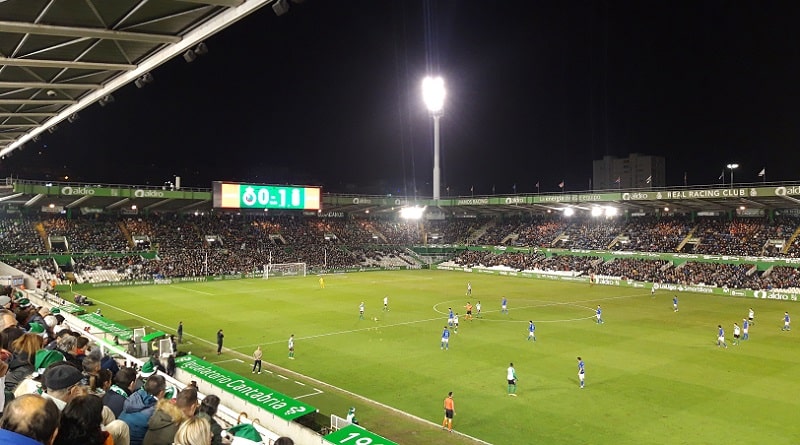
{"points": [[229, 195]]}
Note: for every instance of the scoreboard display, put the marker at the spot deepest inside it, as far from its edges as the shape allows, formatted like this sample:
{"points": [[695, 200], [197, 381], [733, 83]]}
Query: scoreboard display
{"points": [[229, 195]]}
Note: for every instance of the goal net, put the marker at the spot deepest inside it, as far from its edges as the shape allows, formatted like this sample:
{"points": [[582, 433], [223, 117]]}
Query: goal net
{"points": [[284, 270]]}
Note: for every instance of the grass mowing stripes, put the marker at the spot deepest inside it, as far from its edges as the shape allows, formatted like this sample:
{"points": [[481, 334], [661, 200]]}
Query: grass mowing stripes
{"points": [[653, 376]]}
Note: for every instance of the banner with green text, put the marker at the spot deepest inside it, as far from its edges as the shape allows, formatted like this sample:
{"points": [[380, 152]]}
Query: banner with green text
{"points": [[106, 325], [251, 392]]}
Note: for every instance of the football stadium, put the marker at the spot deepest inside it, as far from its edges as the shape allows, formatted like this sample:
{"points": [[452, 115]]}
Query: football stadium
{"points": [[267, 313]]}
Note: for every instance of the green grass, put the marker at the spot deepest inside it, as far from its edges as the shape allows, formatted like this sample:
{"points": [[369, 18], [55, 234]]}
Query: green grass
{"points": [[653, 376]]}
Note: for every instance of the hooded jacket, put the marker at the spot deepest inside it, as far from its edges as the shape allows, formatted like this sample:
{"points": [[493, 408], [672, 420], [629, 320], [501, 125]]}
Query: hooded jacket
{"points": [[163, 424], [136, 412]]}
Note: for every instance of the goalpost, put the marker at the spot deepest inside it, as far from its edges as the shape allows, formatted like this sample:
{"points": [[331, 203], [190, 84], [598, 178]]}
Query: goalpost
{"points": [[284, 270]]}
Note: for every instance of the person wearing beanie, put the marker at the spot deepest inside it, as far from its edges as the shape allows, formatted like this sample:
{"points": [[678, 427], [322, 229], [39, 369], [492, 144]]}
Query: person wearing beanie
{"points": [[62, 383]]}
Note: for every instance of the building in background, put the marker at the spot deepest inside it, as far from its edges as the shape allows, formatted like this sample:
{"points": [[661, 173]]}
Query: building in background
{"points": [[635, 171]]}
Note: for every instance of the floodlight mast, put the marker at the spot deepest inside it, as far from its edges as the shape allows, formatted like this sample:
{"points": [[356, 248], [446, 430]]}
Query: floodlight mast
{"points": [[433, 93], [732, 167]]}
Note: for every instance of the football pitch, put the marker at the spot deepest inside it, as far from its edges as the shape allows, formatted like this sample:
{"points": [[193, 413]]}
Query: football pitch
{"points": [[653, 375]]}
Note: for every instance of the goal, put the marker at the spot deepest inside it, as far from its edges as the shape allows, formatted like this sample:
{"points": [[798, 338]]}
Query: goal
{"points": [[284, 270]]}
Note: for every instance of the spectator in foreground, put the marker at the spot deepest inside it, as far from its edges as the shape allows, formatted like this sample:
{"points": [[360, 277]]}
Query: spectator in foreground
{"points": [[163, 425], [29, 420], [81, 422], [194, 431], [140, 406], [121, 388], [208, 409]]}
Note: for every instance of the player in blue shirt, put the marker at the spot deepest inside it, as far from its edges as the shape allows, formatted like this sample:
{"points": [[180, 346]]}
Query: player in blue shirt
{"points": [[504, 306], [721, 337], [675, 303], [786, 321], [599, 315], [445, 338], [450, 316], [581, 371], [531, 331], [745, 329]]}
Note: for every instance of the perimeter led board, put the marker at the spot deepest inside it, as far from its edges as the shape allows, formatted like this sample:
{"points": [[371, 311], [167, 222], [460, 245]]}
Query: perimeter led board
{"points": [[229, 195]]}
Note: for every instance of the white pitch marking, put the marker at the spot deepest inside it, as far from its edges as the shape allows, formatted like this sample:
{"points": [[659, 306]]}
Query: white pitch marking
{"points": [[316, 392], [193, 290], [300, 383], [283, 377]]}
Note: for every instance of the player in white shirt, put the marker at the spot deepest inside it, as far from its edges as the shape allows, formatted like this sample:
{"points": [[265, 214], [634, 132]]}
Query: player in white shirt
{"points": [[478, 309], [469, 288], [361, 311], [511, 376], [750, 316], [386, 303], [736, 333], [455, 323]]}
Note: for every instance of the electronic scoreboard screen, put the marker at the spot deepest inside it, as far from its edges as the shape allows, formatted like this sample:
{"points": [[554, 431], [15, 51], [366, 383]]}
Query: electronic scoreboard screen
{"points": [[228, 195]]}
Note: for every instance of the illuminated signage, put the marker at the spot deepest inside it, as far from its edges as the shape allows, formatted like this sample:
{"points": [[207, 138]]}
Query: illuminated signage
{"points": [[229, 195]]}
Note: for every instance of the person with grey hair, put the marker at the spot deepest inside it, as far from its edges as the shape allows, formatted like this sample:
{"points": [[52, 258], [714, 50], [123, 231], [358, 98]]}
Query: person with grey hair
{"points": [[67, 344], [31, 417]]}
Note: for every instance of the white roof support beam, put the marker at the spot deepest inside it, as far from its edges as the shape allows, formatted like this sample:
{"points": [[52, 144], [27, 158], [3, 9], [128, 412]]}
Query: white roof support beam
{"points": [[96, 33], [66, 64]]}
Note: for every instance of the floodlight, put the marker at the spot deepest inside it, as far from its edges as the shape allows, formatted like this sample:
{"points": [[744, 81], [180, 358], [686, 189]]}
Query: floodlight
{"points": [[611, 211], [569, 211], [597, 211], [412, 212], [433, 94]]}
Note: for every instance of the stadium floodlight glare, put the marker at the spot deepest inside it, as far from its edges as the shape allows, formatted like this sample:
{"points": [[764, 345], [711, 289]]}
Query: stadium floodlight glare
{"points": [[611, 212], [733, 167], [597, 211], [569, 211], [413, 213], [433, 94]]}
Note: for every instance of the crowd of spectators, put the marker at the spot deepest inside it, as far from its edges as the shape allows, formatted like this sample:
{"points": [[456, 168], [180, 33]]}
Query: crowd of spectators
{"points": [[60, 389], [736, 276], [229, 243]]}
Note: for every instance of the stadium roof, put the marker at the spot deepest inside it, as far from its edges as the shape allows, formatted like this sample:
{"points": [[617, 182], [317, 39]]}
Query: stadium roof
{"points": [[753, 198], [58, 57]]}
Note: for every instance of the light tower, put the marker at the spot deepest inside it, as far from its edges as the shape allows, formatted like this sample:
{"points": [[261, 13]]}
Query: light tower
{"points": [[433, 94]]}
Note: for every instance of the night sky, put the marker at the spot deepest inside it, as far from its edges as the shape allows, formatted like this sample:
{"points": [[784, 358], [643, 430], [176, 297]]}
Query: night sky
{"points": [[329, 94]]}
